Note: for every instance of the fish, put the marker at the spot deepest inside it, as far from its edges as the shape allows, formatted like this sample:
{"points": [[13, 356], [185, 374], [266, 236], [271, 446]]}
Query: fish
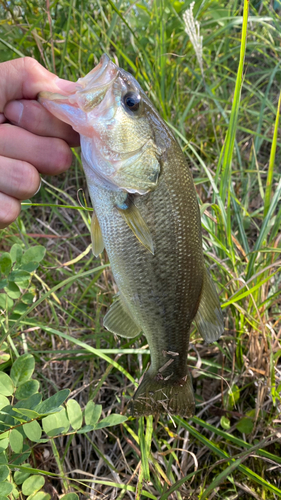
{"points": [[146, 215]]}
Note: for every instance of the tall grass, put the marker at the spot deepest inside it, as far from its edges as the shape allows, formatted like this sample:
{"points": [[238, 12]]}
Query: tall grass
{"points": [[226, 116]]}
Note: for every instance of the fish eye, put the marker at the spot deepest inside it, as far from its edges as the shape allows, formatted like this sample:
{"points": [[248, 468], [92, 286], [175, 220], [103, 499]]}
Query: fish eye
{"points": [[132, 101]]}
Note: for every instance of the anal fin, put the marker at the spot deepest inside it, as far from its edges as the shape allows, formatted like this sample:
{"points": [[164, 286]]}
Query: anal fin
{"points": [[96, 236], [209, 318], [118, 320]]}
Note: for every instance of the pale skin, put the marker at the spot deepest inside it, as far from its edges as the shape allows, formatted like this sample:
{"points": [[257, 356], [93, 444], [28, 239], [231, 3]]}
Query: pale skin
{"points": [[32, 141]]}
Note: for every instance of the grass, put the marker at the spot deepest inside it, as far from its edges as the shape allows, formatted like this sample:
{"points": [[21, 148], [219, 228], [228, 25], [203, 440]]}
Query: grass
{"points": [[227, 121]]}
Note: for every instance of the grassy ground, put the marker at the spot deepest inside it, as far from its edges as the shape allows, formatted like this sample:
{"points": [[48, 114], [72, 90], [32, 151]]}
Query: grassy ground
{"points": [[224, 112]]}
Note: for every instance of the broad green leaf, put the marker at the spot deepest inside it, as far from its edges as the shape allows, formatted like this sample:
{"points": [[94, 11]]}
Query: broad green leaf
{"points": [[27, 298], [16, 441], [6, 385], [5, 263], [20, 458], [74, 413], [32, 484], [4, 472], [31, 402], [27, 389], [56, 423], [33, 430], [53, 403], [41, 495], [3, 458], [113, 419], [22, 369], [30, 267], [85, 429], [225, 423], [20, 308], [70, 496], [6, 488], [3, 498], [25, 412], [4, 443], [33, 254], [245, 425], [4, 357], [20, 277], [16, 253], [3, 401], [20, 476], [92, 413], [6, 303], [12, 290], [234, 394], [3, 283]]}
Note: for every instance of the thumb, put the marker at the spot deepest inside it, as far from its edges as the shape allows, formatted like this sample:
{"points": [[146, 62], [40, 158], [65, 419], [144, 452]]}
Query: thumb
{"points": [[24, 78]]}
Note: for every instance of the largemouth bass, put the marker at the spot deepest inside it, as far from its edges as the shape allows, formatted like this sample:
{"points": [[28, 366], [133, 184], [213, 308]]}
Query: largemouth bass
{"points": [[147, 217]]}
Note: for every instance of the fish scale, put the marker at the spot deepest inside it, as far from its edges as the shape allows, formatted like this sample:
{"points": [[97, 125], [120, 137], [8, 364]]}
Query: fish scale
{"points": [[147, 217]]}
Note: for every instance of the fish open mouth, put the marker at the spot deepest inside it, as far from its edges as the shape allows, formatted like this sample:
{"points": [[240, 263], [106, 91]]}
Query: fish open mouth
{"points": [[90, 90]]}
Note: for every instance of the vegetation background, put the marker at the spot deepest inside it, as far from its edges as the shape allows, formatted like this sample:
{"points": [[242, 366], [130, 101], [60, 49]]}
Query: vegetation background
{"points": [[224, 110]]}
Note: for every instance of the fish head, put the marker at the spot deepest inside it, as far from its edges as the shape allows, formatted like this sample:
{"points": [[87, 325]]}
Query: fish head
{"points": [[122, 136]]}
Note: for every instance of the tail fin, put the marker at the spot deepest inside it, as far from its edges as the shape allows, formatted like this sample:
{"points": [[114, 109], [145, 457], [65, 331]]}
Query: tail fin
{"points": [[163, 396]]}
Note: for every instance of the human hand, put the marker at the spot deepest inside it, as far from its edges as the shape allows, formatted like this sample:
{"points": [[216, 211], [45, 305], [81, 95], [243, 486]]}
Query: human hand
{"points": [[32, 141]]}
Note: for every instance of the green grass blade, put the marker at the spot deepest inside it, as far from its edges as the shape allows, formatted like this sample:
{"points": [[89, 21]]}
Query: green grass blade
{"points": [[97, 352], [49, 293], [222, 454], [178, 484], [265, 228], [231, 132], [235, 440], [144, 449], [268, 190], [70, 7], [229, 470], [9, 46]]}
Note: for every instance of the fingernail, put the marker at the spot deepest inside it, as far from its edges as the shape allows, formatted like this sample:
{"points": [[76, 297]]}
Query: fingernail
{"points": [[38, 188], [13, 111], [65, 85]]}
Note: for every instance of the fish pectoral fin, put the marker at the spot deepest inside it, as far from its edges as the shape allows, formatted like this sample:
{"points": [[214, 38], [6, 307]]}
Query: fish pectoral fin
{"points": [[136, 223], [96, 236], [209, 318], [118, 320]]}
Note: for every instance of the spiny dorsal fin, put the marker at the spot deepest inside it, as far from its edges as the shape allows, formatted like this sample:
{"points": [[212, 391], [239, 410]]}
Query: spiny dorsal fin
{"points": [[136, 223], [209, 319], [96, 236], [117, 320]]}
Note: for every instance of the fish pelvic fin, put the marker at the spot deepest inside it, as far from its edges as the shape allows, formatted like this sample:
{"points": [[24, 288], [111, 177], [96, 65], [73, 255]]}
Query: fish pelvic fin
{"points": [[118, 320], [209, 318], [96, 236], [155, 396], [136, 223]]}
